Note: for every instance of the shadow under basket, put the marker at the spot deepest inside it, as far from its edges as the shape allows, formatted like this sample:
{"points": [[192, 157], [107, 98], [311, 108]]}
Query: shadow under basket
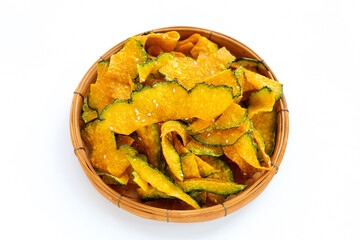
{"points": [[164, 210]]}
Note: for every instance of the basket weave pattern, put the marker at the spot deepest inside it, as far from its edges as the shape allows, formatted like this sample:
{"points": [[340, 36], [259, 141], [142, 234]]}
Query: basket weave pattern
{"points": [[140, 209]]}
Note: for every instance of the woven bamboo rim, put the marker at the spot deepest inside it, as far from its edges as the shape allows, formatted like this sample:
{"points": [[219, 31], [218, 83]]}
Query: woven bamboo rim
{"points": [[251, 192]]}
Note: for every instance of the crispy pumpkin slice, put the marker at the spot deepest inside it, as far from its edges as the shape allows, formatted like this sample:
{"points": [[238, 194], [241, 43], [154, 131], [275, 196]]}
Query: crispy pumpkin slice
{"points": [[152, 194], [100, 141], [170, 154], [200, 149], [88, 114], [244, 150], [200, 126], [251, 64], [225, 174], [110, 179], [211, 185], [159, 181], [266, 123], [227, 78], [195, 45], [118, 165], [99, 96], [232, 117], [123, 63], [177, 127], [259, 81], [104, 154], [172, 158], [151, 67], [205, 46], [149, 144], [161, 103], [185, 48], [158, 43], [192, 39], [139, 181], [180, 147], [189, 72], [204, 168], [189, 166], [261, 154], [221, 138], [115, 79], [261, 101], [245, 86]]}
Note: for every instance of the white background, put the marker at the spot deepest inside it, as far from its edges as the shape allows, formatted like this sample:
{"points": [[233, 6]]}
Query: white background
{"points": [[47, 46]]}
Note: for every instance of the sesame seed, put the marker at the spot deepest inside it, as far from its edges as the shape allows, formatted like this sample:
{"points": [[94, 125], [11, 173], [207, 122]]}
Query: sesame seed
{"points": [[149, 114], [140, 138], [154, 101], [269, 162], [215, 200], [137, 111], [104, 156], [186, 119], [111, 128], [157, 104], [173, 90], [227, 141], [182, 175], [143, 120], [138, 118], [245, 174], [208, 134]]}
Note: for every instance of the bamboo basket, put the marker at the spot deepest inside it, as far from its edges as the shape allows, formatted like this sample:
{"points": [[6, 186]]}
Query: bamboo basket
{"points": [[164, 210]]}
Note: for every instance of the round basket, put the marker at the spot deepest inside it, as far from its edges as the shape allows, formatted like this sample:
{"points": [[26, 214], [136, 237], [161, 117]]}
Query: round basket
{"points": [[125, 200]]}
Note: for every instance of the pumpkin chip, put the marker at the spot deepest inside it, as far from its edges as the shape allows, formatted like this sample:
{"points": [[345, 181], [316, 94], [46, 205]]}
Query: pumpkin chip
{"points": [[266, 123], [189, 166], [259, 81], [104, 153], [88, 114], [166, 116], [124, 62], [222, 138], [151, 67], [159, 181], [244, 154], [232, 117], [114, 79], [261, 101], [188, 72], [196, 44], [148, 138], [157, 43], [160, 103]]}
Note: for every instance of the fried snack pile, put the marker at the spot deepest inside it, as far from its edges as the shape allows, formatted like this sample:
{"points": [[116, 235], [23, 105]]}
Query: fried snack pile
{"points": [[170, 115]]}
